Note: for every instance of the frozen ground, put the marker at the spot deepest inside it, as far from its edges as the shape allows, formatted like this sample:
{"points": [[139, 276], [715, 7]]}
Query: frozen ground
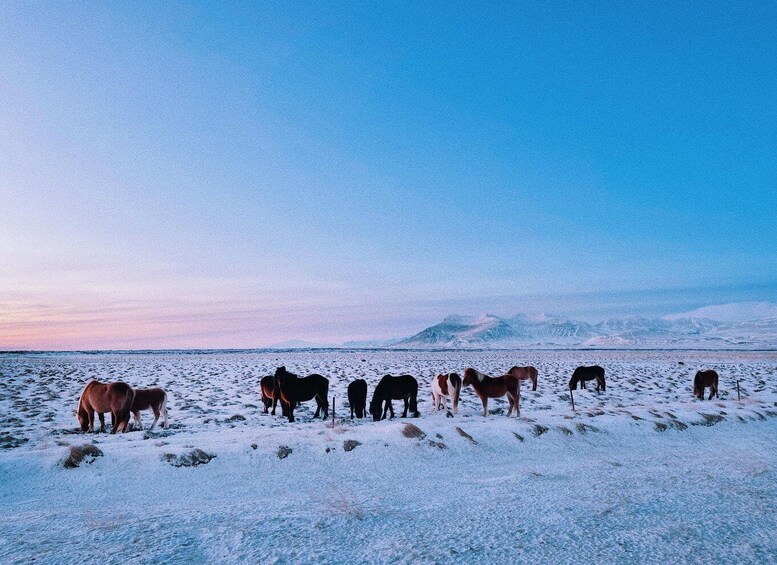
{"points": [[643, 472]]}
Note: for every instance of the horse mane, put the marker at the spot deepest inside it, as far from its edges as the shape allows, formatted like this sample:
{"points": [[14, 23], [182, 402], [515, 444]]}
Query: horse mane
{"points": [[86, 386]]}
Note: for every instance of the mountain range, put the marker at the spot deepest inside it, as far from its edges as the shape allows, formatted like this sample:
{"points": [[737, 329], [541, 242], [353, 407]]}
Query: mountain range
{"points": [[741, 326], [543, 331]]}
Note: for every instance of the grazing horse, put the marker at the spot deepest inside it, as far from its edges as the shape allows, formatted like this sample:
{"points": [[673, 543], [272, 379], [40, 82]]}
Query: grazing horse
{"points": [[357, 398], [446, 386], [116, 398], [294, 389], [583, 374], [403, 387], [149, 398], [705, 379], [525, 374], [494, 387]]}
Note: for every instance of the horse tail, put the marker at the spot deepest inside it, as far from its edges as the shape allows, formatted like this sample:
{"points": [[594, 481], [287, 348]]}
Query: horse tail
{"points": [[414, 395], [163, 409], [455, 381], [126, 408]]}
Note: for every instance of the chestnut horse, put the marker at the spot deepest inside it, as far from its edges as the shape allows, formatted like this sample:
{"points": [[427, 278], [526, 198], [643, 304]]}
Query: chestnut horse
{"points": [[294, 389], [704, 379], [494, 387], [444, 387], [403, 387], [271, 396], [583, 374], [525, 374], [116, 398], [357, 398], [154, 399]]}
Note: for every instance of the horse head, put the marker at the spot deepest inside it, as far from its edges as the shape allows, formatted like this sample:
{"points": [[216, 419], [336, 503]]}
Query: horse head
{"points": [[375, 409], [83, 419], [470, 376]]}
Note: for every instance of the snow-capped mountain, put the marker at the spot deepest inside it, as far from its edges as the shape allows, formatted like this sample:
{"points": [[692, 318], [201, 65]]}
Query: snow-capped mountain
{"points": [[490, 331]]}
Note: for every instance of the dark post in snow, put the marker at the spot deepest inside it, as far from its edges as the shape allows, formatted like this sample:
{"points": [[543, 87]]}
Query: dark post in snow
{"points": [[333, 411], [738, 397], [572, 396]]}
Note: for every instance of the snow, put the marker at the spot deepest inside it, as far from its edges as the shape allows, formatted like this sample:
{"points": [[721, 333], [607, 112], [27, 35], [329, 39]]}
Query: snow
{"points": [[642, 472]]}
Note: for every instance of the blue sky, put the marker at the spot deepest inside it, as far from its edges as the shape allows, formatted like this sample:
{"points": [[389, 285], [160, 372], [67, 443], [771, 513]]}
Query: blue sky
{"points": [[192, 174]]}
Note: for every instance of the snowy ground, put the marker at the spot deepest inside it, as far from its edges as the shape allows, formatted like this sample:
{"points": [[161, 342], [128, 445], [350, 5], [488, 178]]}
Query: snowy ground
{"points": [[641, 472]]}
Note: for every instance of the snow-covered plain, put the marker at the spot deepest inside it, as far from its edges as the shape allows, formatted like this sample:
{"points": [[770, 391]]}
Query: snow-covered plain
{"points": [[642, 472]]}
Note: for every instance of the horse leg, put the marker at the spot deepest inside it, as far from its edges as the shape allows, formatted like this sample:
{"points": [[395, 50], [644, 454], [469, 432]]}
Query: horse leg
{"points": [[534, 384], [137, 422], [90, 416], [484, 400], [434, 401], [712, 392], [274, 403], [322, 403], [102, 421], [510, 404], [157, 413]]}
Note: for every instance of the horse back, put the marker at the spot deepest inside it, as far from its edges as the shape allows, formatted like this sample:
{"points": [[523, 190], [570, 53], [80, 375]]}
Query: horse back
{"points": [[146, 398], [357, 389], [112, 397], [306, 388], [395, 388], [267, 386]]}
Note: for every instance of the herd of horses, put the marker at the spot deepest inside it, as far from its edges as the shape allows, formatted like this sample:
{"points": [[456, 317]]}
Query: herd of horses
{"points": [[289, 390], [121, 400]]}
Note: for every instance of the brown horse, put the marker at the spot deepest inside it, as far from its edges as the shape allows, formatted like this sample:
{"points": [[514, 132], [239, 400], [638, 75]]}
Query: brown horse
{"points": [[271, 396], [294, 389], [154, 399], [116, 398], [494, 387], [525, 374], [705, 379]]}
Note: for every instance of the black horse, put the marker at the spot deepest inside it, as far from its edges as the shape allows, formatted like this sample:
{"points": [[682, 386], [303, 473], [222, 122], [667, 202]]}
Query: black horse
{"points": [[294, 389], [705, 379], [391, 388], [583, 374], [357, 397]]}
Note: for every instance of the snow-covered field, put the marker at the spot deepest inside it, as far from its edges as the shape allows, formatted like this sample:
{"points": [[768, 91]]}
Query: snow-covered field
{"points": [[642, 472]]}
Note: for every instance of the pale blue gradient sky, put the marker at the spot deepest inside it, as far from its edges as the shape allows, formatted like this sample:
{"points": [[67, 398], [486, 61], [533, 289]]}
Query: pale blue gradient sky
{"points": [[194, 175]]}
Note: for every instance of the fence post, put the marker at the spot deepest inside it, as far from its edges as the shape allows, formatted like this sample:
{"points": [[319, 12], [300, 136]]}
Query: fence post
{"points": [[333, 410], [738, 397], [572, 396]]}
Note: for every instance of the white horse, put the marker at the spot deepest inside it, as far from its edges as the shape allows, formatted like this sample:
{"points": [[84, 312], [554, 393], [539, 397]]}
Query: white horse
{"points": [[444, 387]]}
